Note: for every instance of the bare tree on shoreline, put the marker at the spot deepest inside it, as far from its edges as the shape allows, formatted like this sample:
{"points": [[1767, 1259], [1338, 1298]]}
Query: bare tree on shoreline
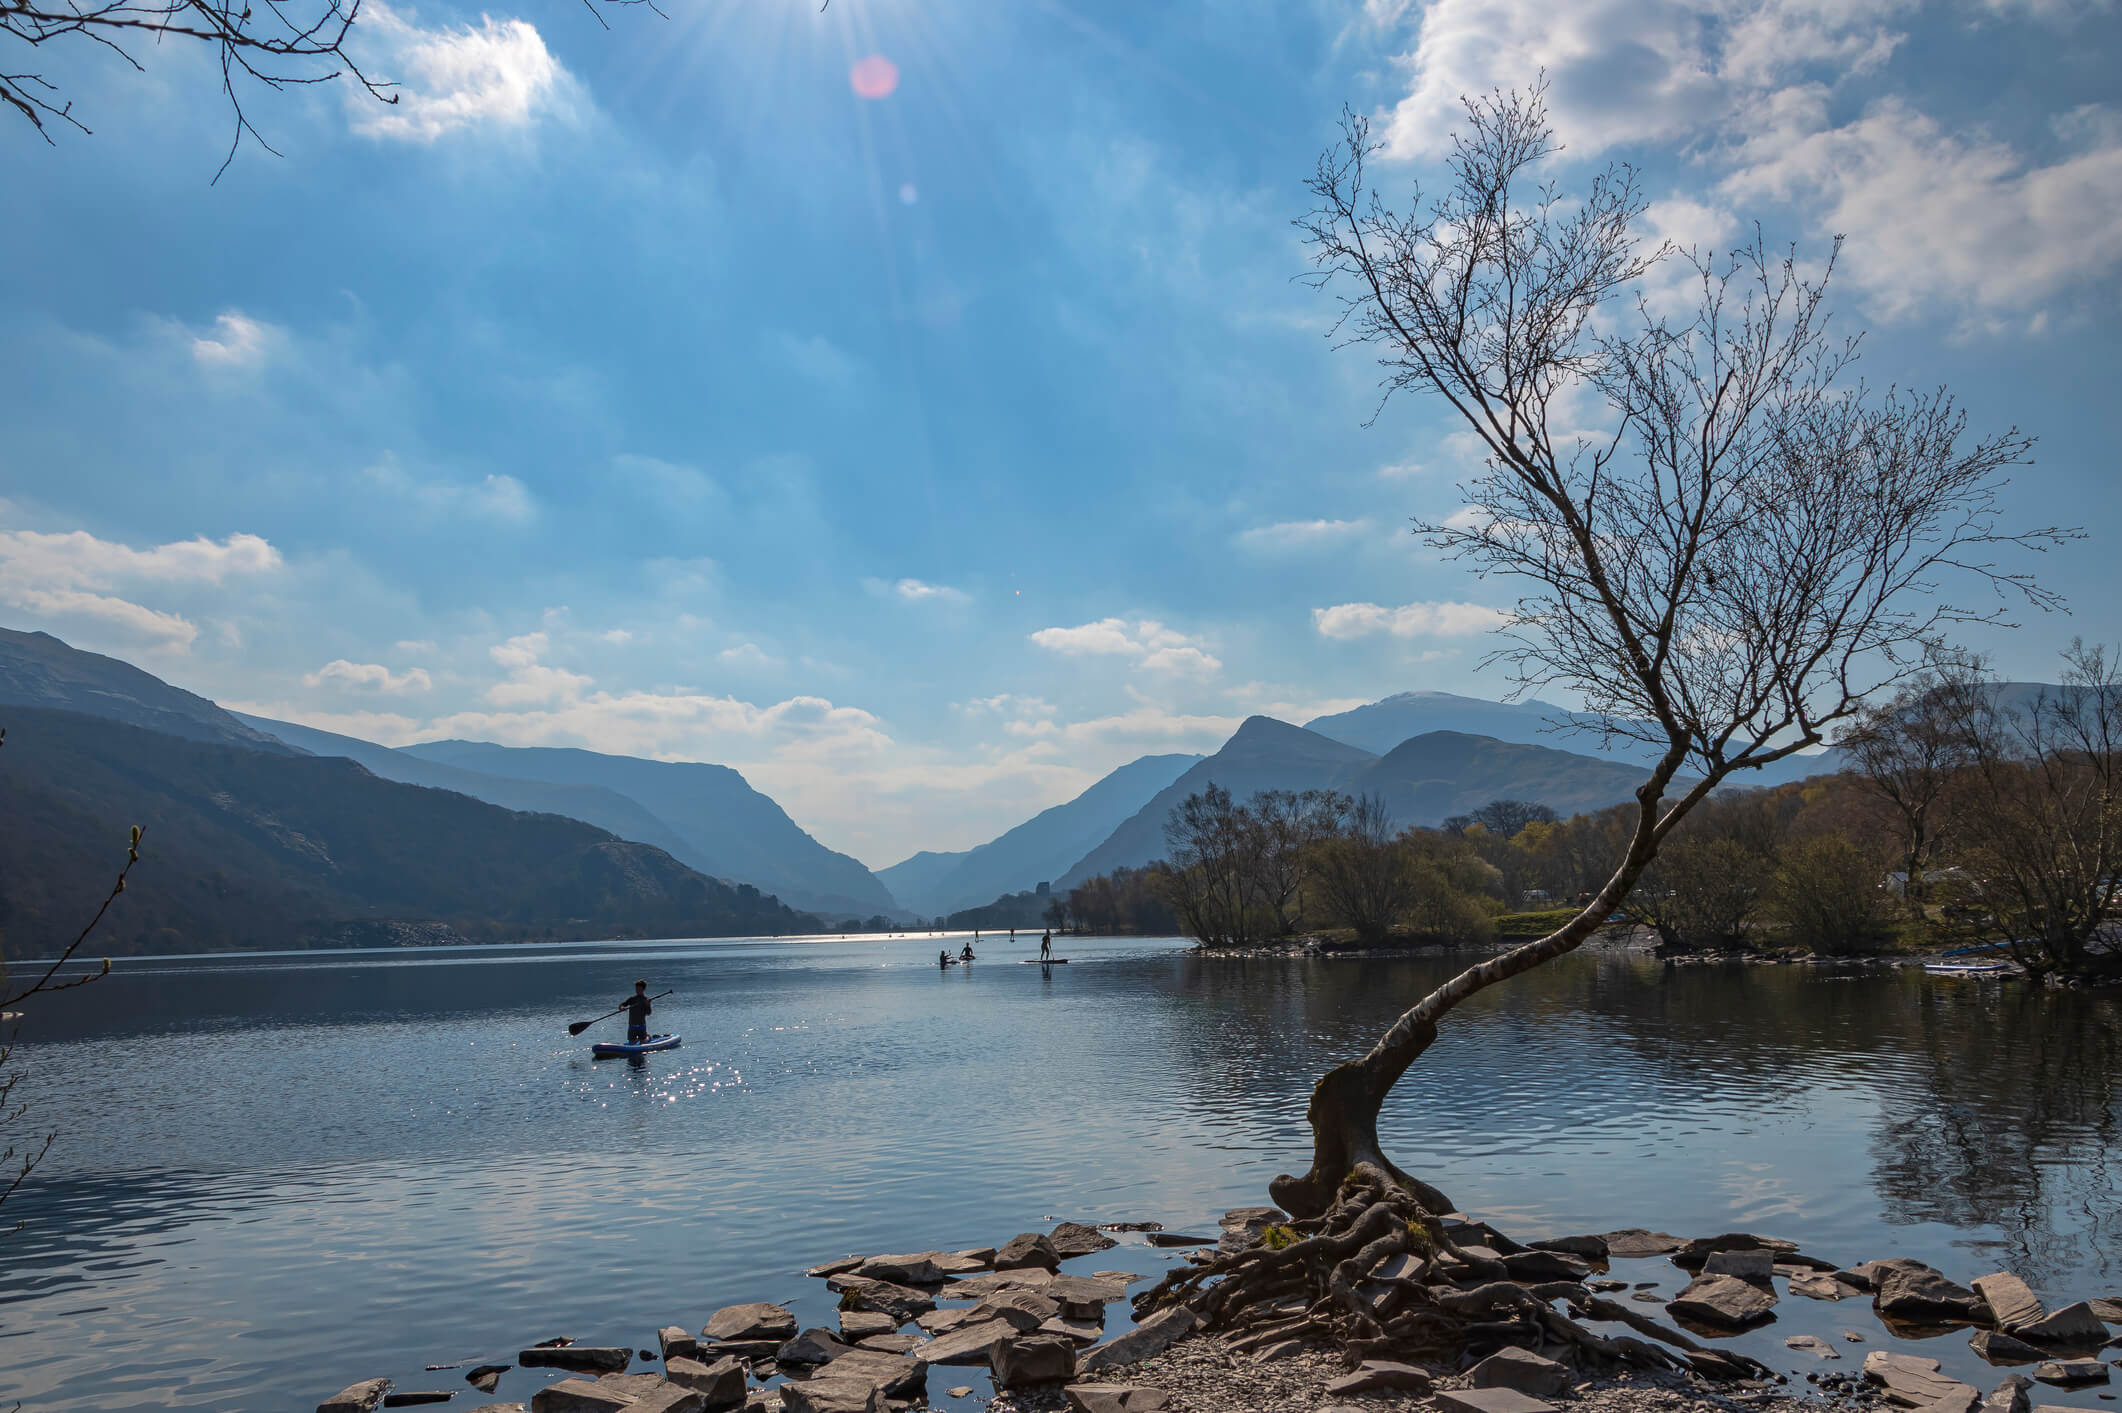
{"points": [[1747, 544]]}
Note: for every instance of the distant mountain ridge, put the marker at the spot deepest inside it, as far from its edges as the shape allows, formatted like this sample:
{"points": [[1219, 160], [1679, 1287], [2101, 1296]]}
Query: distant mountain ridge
{"points": [[730, 829], [1037, 851], [38, 670], [250, 849]]}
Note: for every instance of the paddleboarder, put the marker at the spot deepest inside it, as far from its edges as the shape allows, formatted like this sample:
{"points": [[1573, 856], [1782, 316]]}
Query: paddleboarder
{"points": [[637, 1008], [1046, 945]]}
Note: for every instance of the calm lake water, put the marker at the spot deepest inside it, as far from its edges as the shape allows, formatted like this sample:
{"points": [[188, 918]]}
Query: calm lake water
{"points": [[276, 1175]]}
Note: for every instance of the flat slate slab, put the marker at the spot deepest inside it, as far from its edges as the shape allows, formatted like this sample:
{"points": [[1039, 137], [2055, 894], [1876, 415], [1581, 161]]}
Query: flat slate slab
{"points": [[1635, 1244], [2011, 1302], [1490, 1400], [1910, 1380]]}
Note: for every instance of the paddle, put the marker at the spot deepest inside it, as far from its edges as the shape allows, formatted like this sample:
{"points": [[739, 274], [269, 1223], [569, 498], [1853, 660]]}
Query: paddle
{"points": [[579, 1026]]}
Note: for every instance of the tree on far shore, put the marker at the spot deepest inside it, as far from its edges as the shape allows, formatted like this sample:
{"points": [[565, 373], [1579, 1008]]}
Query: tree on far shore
{"points": [[1723, 541]]}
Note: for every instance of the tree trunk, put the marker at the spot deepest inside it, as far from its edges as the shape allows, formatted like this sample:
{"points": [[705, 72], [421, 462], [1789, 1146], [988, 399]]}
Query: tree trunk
{"points": [[1345, 1103]]}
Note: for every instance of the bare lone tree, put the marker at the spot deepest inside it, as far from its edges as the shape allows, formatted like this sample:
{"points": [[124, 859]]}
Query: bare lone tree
{"points": [[1724, 563]]}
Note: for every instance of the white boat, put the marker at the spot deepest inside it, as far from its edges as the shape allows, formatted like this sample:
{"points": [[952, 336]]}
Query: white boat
{"points": [[1970, 968]]}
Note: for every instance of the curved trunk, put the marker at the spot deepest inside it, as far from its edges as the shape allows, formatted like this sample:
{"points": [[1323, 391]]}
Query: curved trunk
{"points": [[1346, 1102]]}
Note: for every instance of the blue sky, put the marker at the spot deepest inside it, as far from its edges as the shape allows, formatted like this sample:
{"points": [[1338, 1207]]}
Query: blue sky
{"points": [[926, 437]]}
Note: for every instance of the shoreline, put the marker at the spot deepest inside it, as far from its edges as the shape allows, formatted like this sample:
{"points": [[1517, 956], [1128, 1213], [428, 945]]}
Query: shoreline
{"points": [[1015, 1330]]}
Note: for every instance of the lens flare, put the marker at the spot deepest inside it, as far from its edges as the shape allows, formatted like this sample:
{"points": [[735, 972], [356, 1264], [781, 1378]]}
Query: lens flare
{"points": [[873, 78]]}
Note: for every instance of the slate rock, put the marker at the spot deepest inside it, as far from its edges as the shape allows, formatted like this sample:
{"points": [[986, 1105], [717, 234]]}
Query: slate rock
{"points": [[1634, 1244], [1725, 1302], [837, 1268], [759, 1320], [2009, 1396], [413, 1398], [1404, 1266], [813, 1346], [363, 1397], [894, 1343], [995, 1282], [1083, 1332], [914, 1268], [1910, 1290], [2075, 1326], [858, 1325], [2108, 1310], [1378, 1376], [969, 1343], [486, 1376], [2072, 1373], [1817, 1286], [1589, 1248], [2000, 1348], [1024, 1310], [668, 1398], [2011, 1303], [1029, 1361], [936, 1322], [1490, 1400], [578, 1358], [579, 1396], [1173, 1238], [1114, 1398], [898, 1375], [1910, 1380], [1030, 1249], [1757, 1267], [1545, 1266], [1692, 1255], [1072, 1239], [1812, 1344], [1521, 1369], [751, 1351], [903, 1302], [720, 1384], [832, 1396], [1150, 1338], [1961, 1399], [631, 1385]]}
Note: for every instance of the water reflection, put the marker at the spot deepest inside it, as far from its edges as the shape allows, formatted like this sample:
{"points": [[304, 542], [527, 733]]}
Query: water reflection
{"points": [[405, 1157]]}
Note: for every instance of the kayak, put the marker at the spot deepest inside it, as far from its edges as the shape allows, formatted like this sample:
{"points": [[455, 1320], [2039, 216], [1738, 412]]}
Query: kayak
{"points": [[612, 1049], [1970, 969], [1044, 962]]}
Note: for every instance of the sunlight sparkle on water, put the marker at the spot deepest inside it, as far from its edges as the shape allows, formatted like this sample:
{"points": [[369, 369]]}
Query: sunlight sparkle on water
{"points": [[874, 77]]}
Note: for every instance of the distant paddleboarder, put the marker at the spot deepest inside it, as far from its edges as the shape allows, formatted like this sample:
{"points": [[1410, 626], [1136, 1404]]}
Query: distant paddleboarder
{"points": [[637, 1008], [1046, 945]]}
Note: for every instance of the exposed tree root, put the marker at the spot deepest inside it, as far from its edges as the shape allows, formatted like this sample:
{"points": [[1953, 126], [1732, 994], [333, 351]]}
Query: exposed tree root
{"points": [[1447, 1305]]}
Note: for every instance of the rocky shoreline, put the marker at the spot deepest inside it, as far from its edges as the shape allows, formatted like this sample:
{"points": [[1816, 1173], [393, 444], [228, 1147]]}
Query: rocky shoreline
{"points": [[1010, 1328]]}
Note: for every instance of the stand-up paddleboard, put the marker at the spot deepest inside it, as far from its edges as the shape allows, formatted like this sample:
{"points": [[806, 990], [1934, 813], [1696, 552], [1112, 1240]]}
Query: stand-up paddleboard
{"points": [[1044, 962], [612, 1049]]}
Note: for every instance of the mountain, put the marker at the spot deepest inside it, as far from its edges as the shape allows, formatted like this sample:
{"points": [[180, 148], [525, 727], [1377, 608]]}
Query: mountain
{"points": [[730, 829], [1438, 774], [608, 810], [1383, 725], [1036, 851], [248, 849], [1263, 754], [38, 670]]}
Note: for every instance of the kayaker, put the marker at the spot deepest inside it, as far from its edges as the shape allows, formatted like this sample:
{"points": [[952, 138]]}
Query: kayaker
{"points": [[637, 1008], [967, 954]]}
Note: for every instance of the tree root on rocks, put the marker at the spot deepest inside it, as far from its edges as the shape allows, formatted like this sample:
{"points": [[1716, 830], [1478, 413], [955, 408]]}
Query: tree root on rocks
{"points": [[1454, 1307]]}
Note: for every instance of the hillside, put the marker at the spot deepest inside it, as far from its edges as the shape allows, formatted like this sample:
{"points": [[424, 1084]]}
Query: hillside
{"points": [[1037, 851], [1383, 725], [38, 670], [1442, 773], [248, 849], [608, 810], [727, 826], [1263, 754]]}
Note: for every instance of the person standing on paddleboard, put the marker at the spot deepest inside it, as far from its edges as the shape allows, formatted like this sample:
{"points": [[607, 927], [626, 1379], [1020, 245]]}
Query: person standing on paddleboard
{"points": [[1046, 945], [637, 1008]]}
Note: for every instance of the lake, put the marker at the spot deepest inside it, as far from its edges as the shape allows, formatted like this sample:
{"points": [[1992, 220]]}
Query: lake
{"points": [[277, 1174]]}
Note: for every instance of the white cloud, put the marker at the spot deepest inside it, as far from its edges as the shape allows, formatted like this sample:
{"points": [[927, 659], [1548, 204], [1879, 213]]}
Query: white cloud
{"points": [[748, 657], [237, 341], [1300, 535], [498, 497], [816, 358], [1929, 211], [914, 591], [1347, 621], [74, 576], [1154, 725], [1152, 646], [414, 645], [498, 74], [369, 677], [1754, 89]]}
